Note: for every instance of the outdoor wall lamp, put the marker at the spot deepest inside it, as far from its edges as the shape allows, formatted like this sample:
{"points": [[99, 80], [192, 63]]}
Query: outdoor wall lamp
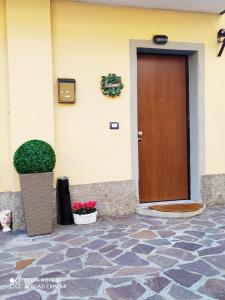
{"points": [[160, 39], [221, 39]]}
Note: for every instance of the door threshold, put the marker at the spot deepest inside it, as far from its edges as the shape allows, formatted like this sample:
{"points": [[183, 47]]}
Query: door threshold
{"points": [[144, 205]]}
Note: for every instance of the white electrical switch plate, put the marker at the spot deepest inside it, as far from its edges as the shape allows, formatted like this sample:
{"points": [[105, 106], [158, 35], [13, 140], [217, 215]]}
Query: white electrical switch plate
{"points": [[114, 125]]}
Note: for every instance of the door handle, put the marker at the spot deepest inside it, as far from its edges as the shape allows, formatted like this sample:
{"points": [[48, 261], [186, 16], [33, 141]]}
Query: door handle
{"points": [[140, 134]]}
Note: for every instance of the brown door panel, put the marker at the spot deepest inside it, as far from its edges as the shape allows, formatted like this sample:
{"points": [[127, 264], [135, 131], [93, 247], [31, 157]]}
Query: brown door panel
{"points": [[162, 117]]}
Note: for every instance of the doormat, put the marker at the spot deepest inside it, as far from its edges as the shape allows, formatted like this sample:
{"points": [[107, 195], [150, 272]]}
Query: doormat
{"points": [[178, 208]]}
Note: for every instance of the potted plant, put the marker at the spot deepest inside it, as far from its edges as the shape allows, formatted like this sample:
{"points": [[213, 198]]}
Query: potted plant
{"points": [[35, 161], [84, 212]]}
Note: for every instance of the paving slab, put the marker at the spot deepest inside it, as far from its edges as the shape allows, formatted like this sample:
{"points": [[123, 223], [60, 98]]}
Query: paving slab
{"points": [[127, 257]]}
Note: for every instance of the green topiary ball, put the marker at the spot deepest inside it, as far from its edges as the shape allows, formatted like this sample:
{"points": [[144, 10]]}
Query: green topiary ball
{"points": [[34, 156]]}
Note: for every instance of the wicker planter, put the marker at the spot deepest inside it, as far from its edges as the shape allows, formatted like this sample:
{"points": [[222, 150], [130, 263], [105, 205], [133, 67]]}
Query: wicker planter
{"points": [[37, 196], [85, 219]]}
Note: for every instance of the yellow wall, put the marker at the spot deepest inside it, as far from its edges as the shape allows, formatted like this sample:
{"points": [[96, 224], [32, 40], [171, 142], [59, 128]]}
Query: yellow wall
{"points": [[89, 41], [215, 105], [30, 72], [5, 163], [93, 40]]}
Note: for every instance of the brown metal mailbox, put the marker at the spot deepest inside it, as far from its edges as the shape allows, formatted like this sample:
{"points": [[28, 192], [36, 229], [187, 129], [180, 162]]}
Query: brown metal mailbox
{"points": [[66, 90]]}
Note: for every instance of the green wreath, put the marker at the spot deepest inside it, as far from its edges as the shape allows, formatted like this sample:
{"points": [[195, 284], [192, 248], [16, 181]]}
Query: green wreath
{"points": [[111, 85]]}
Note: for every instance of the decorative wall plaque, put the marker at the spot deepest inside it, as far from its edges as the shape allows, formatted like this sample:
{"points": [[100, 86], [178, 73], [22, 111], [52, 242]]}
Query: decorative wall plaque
{"points": [[111, 85]]}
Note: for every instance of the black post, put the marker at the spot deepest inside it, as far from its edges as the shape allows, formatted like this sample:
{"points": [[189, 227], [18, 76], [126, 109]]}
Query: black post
{"points": [[64, 210]]}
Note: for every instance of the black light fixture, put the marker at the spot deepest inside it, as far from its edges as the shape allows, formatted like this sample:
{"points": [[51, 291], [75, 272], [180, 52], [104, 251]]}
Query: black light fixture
{"points": [[221, 39], [160, 39]]}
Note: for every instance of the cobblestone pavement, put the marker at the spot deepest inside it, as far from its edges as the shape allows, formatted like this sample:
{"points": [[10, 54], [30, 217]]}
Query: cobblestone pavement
{"points": [[132, 257]]}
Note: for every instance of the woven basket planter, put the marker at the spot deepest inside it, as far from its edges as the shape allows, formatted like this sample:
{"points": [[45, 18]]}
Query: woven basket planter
{"points": [[37, 197]]}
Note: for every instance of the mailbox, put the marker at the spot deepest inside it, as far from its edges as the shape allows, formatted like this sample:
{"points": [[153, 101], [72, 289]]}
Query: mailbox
{"points": [[66, 90]]}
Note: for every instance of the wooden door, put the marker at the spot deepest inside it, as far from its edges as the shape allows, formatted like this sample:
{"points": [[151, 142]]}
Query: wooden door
{"points": [[163, 121]]}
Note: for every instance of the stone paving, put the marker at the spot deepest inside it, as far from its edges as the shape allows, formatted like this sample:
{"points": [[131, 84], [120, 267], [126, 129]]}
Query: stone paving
{"points": [[126, 258]]}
